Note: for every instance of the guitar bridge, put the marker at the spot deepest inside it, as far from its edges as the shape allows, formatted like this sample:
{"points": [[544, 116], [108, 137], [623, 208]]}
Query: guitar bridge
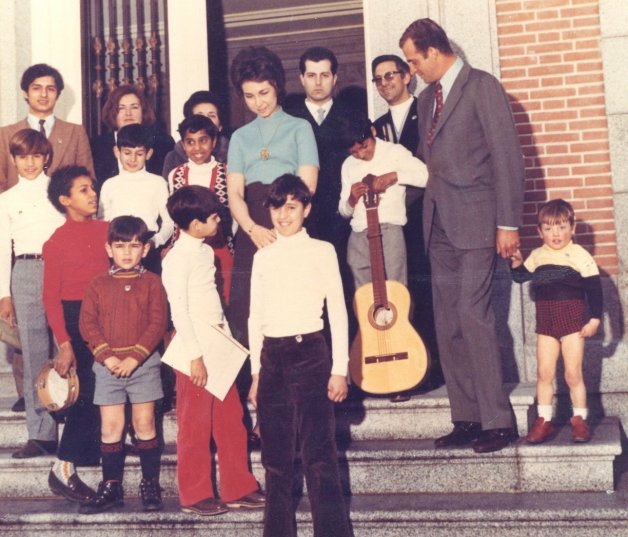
{"points": [[385, 358]]}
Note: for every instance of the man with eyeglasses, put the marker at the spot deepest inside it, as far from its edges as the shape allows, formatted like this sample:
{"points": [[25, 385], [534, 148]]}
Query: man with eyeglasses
{"points": [[391, 76]]}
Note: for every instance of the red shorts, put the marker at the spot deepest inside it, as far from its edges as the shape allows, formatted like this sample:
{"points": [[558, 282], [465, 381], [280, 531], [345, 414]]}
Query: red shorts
{"points": [[559, 318]]}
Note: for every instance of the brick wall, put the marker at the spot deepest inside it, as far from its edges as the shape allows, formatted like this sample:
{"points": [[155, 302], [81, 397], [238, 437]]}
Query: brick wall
{"points": [[551, 67]]}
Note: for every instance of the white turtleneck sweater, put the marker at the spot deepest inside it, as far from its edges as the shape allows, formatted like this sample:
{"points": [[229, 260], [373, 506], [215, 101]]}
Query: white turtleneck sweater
{"points": [[142, 194], [27, 219], [291, 280]]}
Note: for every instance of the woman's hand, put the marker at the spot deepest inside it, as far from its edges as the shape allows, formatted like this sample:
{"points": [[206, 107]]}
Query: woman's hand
{"points": [[262, 236]]}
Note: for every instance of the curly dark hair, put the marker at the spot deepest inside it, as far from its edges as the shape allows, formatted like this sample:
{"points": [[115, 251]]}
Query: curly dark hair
{"points": [[37, 71], [258, 64]]}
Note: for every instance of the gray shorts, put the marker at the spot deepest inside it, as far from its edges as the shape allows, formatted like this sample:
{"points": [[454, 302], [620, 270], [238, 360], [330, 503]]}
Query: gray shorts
{"points": [[142, 386]]}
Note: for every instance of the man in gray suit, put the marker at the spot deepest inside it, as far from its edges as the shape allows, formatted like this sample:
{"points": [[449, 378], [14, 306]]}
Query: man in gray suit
{"points": [[472, 209]]}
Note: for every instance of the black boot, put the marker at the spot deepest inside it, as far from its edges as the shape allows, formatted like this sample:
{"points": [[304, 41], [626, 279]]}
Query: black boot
{"points": [[109, 495], [150, 491]]}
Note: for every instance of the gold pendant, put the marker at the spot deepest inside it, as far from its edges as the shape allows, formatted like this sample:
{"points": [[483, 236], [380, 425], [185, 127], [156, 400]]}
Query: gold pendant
{"points": [[264, 154]]}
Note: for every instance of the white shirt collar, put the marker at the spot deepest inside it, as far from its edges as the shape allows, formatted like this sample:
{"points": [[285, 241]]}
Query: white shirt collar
{"points": [[33, 123], [313, 107], [448, 79]]}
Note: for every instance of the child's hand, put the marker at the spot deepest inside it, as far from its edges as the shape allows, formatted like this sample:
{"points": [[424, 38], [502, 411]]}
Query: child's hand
{"points": [[516, 259], [6, 310], [253, 390], [111, 363], [382, 182], [65, 359], [126, 367], [589, 329], [262, 236], [357, 191], [198, 372], [337, 388]]}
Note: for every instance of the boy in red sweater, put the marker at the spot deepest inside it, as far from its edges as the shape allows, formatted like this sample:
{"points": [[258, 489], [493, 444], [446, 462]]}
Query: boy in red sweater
{"points": [[123, 319], [73, 255]]}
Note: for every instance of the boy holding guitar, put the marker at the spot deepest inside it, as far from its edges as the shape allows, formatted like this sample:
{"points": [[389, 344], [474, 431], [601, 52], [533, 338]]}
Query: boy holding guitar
{"points": [[295, 383], [393, 167]]}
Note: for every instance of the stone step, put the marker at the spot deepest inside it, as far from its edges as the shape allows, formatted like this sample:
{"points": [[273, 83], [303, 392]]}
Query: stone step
{"points": [[7, 385], [424, 416], [434, 515], [401, 466]]}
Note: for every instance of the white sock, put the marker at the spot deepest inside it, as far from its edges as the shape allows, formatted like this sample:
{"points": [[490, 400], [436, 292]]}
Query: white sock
{"points": [[63, 470], [582, 412], [545, 412]]}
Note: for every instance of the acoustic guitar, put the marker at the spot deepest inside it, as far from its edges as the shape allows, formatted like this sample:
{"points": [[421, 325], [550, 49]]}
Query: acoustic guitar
{"points": [[387, 354]]}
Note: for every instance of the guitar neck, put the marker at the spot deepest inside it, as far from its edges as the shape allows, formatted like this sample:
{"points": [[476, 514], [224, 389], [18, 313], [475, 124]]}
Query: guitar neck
{"points": [[378, 272]]}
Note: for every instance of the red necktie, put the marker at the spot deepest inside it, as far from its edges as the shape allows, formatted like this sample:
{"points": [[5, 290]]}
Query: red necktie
{"points": [[437, 110]]}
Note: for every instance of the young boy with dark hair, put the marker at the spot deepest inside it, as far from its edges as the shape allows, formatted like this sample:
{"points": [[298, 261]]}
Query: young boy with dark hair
{"points": [[27, 219], [135, 191], [294, 380], [198, 137], [188, 276], [123, 320], [563, 275], [73, 255], [393, 167]]}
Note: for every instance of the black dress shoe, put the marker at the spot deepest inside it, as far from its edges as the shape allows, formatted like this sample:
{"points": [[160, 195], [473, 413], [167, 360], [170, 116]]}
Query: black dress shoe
{"points": [[494, 440], [19, 405], [463, 434], [74, 491], [109, 495], [36, 448]]}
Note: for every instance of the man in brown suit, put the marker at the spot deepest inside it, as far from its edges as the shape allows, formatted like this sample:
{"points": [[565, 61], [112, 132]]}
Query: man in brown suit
{"points": [[42, 85]]}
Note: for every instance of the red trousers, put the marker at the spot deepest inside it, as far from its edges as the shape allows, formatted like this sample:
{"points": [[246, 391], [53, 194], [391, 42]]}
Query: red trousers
{"points": [[201, 417]]}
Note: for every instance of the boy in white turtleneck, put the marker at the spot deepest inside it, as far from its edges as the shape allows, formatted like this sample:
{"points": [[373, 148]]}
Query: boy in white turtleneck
{"points": [[137, 192], [199, 136], [295, 379], [27, 219]]}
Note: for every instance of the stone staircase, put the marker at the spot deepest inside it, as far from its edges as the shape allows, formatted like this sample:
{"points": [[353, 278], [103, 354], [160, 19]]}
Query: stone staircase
{"points": [[396, 482]]}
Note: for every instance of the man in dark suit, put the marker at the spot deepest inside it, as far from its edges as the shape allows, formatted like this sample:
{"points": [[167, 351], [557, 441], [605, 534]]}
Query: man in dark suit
{"points": [[318, 68], [472, 209], [42, 85]]}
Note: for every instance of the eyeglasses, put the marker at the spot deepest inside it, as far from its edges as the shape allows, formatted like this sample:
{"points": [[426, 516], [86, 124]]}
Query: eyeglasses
{"points": [[378, 80]]}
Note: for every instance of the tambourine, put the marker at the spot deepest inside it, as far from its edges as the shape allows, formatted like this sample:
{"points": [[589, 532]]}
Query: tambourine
{"points": [[55, 392]]}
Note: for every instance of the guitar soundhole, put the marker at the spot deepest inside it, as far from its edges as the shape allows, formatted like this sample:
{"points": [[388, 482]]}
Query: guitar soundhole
{"points": [[382, 317]]}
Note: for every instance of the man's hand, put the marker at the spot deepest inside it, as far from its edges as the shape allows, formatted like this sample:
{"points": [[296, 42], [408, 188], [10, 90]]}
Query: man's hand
{"points": [[337, 388], [357, 191], [6, 310], [126, 367], [65, 359], [253, 390], [507, 242], [198, 372]]}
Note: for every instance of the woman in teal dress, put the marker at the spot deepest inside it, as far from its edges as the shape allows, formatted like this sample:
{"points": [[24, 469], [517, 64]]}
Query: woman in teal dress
{"points": [[272, 144]]}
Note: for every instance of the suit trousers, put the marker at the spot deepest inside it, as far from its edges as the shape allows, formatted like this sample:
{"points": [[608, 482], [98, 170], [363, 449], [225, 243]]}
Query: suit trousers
{"points": [[80, 441], [201, 417], [26, 287], [292, 403], [465, 331]]}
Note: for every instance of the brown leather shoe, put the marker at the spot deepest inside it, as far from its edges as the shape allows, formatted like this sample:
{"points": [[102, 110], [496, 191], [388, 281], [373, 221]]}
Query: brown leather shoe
{"points": [[540, 432], [494, 440], [36, 448], [463, 434], [580, 430], [255, 500], [206, 507], [74, 491]]}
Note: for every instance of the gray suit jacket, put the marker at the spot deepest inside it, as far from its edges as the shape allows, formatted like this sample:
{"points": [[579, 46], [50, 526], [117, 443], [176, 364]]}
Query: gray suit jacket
{"points": [[475, 164], [70, 145]]}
